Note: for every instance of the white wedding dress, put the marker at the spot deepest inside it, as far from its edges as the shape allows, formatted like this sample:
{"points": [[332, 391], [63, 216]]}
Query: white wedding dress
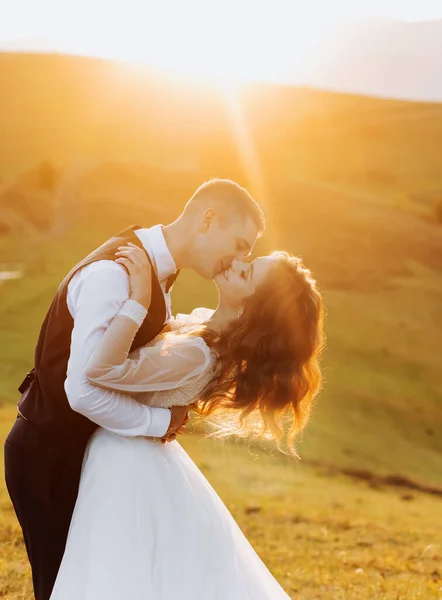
{"points": [[147, 524]]}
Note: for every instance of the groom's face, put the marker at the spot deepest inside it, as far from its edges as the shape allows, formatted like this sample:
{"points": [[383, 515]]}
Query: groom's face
{"points": [[222, 241]]}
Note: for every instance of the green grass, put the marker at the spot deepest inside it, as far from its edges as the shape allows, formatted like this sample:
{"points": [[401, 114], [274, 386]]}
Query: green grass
{"points": [[321, 536], [381, 407], [350, 184]]}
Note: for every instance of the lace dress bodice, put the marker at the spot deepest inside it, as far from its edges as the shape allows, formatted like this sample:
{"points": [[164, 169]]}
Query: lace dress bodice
{"points": [[184, 395], [171, 370]]}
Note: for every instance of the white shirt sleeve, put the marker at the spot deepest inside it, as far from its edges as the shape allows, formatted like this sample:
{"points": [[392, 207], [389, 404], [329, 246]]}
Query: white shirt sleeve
{"points": [[170, 363], [95, 295]]}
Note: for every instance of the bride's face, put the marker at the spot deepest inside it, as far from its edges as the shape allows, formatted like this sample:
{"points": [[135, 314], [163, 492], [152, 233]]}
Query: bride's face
{"points": [[241, 280]]}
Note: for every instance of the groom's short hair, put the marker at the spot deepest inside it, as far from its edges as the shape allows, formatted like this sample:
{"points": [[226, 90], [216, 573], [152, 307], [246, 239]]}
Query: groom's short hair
{"points": [[228, 197]]}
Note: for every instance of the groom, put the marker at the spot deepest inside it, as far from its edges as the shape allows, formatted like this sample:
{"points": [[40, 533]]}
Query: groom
{"points": [[59, 409]]}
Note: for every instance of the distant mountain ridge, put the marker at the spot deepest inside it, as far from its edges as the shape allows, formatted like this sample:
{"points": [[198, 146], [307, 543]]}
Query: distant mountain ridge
{"points": [[377, 57], [385, 58]]}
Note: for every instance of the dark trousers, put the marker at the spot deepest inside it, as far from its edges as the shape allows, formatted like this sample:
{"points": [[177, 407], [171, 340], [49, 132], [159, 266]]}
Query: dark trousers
{"points": [[42, 472]]}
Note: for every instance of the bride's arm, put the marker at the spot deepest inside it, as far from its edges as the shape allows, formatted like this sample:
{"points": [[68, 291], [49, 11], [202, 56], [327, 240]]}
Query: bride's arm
{"points": [[170, 363]]}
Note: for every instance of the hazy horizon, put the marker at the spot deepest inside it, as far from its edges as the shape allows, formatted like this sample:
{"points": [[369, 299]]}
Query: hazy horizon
{"points": [[273, 42]]}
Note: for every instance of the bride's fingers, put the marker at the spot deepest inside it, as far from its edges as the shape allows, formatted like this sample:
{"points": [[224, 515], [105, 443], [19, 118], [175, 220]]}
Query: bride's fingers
{"points": [[136, 250], [140, 253], [127, 254], [128, 249], [125, 262], [137, 258], [122, 260]]}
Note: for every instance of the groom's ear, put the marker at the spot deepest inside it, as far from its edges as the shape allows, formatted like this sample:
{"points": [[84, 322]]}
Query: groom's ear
{"points": [[207, 219]]}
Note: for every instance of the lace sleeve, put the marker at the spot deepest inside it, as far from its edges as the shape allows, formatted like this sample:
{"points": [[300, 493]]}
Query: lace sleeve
{"points": [[173, 361]]}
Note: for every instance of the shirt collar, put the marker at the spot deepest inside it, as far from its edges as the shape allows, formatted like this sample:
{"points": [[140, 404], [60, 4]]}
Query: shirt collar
{"points": [[155, 245]]}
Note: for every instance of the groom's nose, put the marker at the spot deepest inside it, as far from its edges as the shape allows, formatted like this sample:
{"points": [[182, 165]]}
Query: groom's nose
{"points": [[240, 254], [226, 263]]}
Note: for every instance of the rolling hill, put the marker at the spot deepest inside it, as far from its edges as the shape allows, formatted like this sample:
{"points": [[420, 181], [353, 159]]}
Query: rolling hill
{"points": [[382, 57], [348, 182]]}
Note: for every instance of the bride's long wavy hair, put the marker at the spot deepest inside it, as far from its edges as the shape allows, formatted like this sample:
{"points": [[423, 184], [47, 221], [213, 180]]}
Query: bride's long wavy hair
{"points": [[268, 359]]}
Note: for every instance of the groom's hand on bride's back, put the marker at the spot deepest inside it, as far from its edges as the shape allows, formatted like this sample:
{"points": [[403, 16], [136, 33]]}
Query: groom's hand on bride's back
{"points": [[178, 420]]}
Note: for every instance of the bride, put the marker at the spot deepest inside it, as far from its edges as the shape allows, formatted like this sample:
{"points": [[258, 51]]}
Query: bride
{"points": [[147, 524]]}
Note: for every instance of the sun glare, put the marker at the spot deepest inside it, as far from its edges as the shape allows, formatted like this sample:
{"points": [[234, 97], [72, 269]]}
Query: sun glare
{"points": [[223, 60], [235, 40], [239, 43]]}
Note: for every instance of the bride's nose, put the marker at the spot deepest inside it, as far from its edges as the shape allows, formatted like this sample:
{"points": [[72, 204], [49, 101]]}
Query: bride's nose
{"points": [[238, 265]]}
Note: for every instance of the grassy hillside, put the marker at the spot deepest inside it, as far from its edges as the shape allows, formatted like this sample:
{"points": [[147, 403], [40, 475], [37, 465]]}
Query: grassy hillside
{"points": [[349, 183], [321, 536], [381, 407], [68, 108]]}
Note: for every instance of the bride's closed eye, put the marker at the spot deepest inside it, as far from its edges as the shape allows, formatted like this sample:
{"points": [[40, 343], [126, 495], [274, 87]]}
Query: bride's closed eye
{"points": [[247, 274]]}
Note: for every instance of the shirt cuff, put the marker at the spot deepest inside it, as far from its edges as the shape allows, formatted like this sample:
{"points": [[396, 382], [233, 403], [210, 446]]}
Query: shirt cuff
{"points": [[160, 422], [133, 310]]}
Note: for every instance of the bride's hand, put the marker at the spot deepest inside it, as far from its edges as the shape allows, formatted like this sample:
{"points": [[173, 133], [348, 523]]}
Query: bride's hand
{"points": [[135, 260]]}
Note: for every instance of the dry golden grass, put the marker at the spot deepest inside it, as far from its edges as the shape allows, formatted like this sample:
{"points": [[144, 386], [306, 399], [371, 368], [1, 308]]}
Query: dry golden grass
{"points": [[321, 536], [350, 184]]}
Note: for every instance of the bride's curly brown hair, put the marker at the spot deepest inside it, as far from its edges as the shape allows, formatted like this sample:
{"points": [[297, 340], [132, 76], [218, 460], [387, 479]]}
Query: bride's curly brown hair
{"points": [[268, 359]]}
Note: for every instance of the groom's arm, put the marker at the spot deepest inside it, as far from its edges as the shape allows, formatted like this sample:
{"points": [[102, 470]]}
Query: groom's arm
{"points": [[95, 295]]}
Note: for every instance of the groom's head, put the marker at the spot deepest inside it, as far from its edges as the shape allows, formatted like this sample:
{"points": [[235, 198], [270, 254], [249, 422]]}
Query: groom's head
{"points": [[224, 222]]}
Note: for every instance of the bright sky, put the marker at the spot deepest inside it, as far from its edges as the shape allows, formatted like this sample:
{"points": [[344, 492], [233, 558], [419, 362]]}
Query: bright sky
{"points": [[237, 39]]}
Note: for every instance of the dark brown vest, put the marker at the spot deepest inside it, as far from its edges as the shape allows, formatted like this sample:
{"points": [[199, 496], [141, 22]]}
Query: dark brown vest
{"points": [[44, 400]]}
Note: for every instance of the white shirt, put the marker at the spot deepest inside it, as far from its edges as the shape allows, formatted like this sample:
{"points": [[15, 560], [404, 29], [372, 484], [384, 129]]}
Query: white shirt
{"points": [[163, 262], [95, 295]]}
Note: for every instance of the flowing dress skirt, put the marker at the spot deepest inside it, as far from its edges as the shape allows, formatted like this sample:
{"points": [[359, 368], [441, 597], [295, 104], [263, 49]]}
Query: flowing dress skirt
{"points": [[148, 525]]}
